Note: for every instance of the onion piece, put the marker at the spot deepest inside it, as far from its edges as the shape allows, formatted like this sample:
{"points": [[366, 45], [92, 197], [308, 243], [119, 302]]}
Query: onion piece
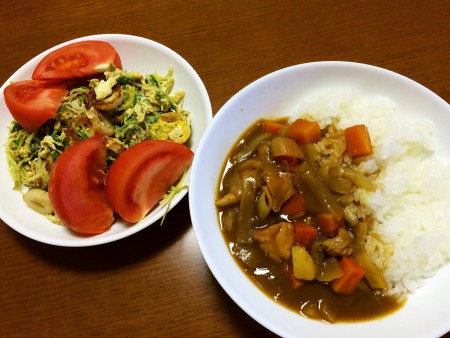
{"points": [[246, 205], [263, 207], [227, 200], [310, 153], [372, 273], [353, 175], [251, 147], [318, 191], [341, 185], [360, 231], [330, 270], [232, 181], [248, 164], [324, 172], [229, 219], [283, 146]]}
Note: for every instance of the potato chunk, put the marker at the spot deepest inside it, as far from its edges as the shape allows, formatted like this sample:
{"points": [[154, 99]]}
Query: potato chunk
{"points": [[302, 263]]}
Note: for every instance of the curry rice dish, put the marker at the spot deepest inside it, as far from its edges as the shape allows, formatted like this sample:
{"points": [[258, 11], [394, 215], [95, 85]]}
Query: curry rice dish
{"points": [[318, 222]]}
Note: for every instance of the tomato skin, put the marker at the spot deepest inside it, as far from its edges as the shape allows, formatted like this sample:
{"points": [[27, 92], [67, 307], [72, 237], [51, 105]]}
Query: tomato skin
{"points": [[117, 61], [76, 187], [78, 59], [141, 175], [33, 102]]}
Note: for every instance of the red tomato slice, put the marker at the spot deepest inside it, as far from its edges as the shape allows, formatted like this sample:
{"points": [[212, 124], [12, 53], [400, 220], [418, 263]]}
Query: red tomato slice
{"points": [[33, 102], [118, 61], [79, 59], [76, 187], [142, 174]]}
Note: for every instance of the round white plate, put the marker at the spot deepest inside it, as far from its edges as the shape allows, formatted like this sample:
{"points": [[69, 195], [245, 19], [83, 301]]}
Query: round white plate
{"points": [[427, 311], [137, 54]]}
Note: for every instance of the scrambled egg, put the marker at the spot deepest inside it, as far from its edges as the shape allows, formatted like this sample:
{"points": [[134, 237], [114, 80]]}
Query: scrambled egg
{"points": [[177, 131], [171, 126]]}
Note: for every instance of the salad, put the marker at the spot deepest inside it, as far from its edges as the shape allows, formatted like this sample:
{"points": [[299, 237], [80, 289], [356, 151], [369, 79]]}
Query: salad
{"points": [[73, 143]]}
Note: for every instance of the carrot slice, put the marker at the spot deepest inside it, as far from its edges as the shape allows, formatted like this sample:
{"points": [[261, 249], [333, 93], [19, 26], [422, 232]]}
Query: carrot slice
{"points": [[358, 141], [272, 127], [294, 206], [305, 233], [353, 273], [304, 131], [329, 225]]}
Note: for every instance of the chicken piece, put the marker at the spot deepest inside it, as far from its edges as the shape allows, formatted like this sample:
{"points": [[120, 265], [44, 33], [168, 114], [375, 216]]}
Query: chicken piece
{"points": [[276, 240], [278, 188], [339, 245]]}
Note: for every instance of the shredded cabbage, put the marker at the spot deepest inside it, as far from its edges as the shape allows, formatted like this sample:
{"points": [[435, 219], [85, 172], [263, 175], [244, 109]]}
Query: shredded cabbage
{"points": [[147, 110], [170, 194]]}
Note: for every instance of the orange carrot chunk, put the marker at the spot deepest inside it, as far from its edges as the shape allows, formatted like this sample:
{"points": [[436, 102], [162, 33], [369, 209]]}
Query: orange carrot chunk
{"points": [[305, 233], [353, 273], [272, 127], [294, 206], [329, 225], [358, 142], [304, 131]]}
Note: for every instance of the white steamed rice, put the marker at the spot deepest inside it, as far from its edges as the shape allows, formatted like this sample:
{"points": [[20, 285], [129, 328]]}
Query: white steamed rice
{"points": [[410, 239]]}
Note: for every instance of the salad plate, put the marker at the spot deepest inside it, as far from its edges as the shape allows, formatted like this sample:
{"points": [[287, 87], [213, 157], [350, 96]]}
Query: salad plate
{"points": [[137, 54]]}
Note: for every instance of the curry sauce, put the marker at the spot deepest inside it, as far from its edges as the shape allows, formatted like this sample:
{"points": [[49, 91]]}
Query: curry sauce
{"points": [[319, 269]]}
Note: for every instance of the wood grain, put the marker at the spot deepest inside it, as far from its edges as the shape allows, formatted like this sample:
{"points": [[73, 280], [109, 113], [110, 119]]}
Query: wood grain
{"points": [[156, 283]]}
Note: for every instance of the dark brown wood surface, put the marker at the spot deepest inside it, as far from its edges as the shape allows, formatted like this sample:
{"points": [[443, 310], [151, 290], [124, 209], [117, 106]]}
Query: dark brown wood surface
{"points": [[156, 283]]}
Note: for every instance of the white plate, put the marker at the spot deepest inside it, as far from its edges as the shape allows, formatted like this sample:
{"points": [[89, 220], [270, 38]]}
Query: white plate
{"points": [[137, 54], [427, 311]]}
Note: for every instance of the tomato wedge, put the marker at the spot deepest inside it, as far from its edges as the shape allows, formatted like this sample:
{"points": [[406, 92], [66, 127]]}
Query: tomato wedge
{"points": [[117, 61], [79, 59], [33, 102], [142, 174], [76, 187]]}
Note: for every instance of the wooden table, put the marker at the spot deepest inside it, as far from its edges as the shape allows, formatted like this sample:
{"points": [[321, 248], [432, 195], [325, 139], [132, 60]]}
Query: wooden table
{"points": [[156, 282]]}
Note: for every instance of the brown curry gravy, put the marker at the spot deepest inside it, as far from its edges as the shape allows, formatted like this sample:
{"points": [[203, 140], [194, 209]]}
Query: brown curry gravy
{"points": [[313, 299]]}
